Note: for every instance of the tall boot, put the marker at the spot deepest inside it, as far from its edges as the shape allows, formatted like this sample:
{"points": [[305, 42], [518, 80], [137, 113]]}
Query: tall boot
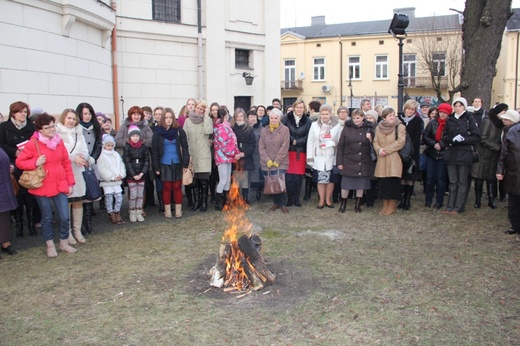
{"points": [[336, 193], [19, 222], [77, 220], [245, 195], [30, 221], [87, 217], [178, 210], [490, 187], [189, 195], [258, 193], [479, 183], [386, 204], [161, 203], [196, 193], [308, 188], [408, 192], [297, 191], [502, 191], [343, 205], [401, 204], [219, 205], [225, 199], [357, 207], [102, 205], [212, 183], [392, 206], [204, 189], [149, 190]]}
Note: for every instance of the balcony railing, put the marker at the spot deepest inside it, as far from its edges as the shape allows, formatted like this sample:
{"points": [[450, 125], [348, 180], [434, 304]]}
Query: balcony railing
{"points": [[422, 82], [292, 84]]}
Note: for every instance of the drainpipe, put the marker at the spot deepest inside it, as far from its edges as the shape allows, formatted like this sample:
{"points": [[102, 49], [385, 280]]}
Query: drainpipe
{"points": [[340, 71], [115, 81], [516, 67], [199, 43]]}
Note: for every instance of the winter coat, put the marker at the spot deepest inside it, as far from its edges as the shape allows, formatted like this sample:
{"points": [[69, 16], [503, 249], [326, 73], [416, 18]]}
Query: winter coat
{"points": [[509, 161], [299, 133], [246, 142], [7, 197], [488, 149], [110, 164], [76, 145], [390, 165], [354, 150], [460, 153], [414, 128], [122, 133], [10, 136], [274, 146], [255, 176], [198, 142], [158, 149], [58, 169], [94, 144], [322, 158], [136, 160], [428, 138], [224, 143]]}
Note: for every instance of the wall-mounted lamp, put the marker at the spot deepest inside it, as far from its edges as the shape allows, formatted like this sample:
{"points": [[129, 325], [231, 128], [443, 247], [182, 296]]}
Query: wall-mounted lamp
{"points": [[248, 77]]}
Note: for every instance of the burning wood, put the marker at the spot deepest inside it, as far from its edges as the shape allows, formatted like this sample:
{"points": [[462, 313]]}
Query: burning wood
{"points": [[239, 264]]}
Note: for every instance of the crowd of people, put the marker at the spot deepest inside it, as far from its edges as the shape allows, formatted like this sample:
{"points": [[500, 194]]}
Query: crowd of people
{"points": [[341, 156]]}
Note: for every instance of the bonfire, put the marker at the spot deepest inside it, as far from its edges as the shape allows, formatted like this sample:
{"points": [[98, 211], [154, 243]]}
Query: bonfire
{"points": [[239, 265]]}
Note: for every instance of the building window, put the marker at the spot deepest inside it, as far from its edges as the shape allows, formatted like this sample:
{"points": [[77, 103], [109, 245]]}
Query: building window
{"points": [[167, 10], [290, 70], [409, 64], [241, 58], [381, 67], [439, 64], [354, 67], [319, 69]]}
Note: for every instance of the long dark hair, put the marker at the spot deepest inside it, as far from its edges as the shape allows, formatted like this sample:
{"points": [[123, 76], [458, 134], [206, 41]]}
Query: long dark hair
{"points": [[97, 128]]}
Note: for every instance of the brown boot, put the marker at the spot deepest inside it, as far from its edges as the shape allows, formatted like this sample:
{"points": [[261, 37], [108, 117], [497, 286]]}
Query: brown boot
{"points": [[113, 218], [384, 211], [119, 219], [51, 249], [392, 206]]}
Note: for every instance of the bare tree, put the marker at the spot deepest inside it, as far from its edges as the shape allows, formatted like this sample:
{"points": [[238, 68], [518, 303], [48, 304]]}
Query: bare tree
{"points": [[483, 27]]}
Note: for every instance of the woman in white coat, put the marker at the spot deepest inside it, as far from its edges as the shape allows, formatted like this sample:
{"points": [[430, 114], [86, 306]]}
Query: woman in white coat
{"points": [[321, 153], [72, 136]]}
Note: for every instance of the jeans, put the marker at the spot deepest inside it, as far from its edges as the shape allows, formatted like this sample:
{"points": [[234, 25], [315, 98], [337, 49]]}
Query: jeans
{"points": [[435, 178], [459, 186], [61, 206]]}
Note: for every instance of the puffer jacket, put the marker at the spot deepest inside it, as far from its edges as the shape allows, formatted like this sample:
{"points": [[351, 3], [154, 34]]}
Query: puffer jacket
{"points": [[299, 133], [224, 143], [136, 160], [110, 164], [509, 161], [460, 153], [428, 138], [246, 142]]}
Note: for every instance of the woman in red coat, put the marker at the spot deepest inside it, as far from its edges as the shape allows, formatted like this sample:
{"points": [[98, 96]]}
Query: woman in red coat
{"points": [[46, 148]]}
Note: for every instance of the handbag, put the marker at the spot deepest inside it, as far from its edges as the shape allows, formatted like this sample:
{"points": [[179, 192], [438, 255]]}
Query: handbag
{"points": [[274, 183], [33, 179], [475, 157], [187, 175], [93, 191], [406, 153], [373, 155]]}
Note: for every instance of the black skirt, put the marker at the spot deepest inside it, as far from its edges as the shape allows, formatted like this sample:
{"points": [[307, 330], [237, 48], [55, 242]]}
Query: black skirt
{"points": [[171, 172], [389, 188]]}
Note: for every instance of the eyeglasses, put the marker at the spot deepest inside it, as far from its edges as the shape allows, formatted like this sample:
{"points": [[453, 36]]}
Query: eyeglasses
{"points": [[50, 127]]}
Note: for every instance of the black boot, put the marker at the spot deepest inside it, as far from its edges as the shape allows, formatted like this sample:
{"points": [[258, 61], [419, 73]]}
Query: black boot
{"points": [[225, 199], [204, 195], [343, 205], [408, 192], [258, 193], [212, 185], [188, 189], [479, 183], [245, 195], [30, 221], [87, 217], [196, 193], [161, 203], [19, 222], [357, 207], [401, 203], [502, 191], [297, 191], [308, 188], [490, 187], [336, 193], [149, 190], [219, 205], [102, 205]]}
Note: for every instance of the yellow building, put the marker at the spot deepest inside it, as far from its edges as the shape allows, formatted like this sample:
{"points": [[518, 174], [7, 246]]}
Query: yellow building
{"points": [[340, 64]]}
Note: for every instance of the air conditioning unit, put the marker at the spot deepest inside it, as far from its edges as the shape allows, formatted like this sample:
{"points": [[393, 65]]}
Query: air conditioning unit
{"points": [[326, 88]]}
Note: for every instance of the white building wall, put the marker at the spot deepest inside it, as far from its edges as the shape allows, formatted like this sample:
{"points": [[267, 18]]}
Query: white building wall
{"points": [[50, 65]]}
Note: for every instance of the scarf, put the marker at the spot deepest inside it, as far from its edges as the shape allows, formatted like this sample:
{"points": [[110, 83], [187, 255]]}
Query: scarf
{"points": [[196, 118], [51, 143], [86, 125], [18, 125], [272, 128], [135, 145], [385, 127], [170, 133], [406, 119], [438, 134]]}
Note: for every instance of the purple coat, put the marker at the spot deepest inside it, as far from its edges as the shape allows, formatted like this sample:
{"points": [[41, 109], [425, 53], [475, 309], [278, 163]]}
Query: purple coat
{"points": [[7, 198]]}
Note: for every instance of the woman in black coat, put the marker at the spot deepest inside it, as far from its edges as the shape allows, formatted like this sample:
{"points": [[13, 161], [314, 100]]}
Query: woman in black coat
{"points": [[414, 127], [7, 203], [460, 135], [16, 130], [246, 142], [489, 151]]}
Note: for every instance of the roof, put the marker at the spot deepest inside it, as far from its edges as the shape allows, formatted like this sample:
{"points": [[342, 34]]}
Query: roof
{"points": [[437, 23], [513, 24]]}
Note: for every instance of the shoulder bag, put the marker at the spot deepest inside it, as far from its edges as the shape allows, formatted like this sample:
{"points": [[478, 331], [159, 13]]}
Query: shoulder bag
{"points": [[93, 191], [406, 153], [274, 183], [33, 179]]}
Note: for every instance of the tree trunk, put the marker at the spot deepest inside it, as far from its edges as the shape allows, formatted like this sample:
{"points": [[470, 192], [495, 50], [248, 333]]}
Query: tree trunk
{"points": [[483, 28]]}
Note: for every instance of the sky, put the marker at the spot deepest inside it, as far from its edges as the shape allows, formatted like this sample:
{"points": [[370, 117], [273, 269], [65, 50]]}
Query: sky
{"points": [[299, 12]]}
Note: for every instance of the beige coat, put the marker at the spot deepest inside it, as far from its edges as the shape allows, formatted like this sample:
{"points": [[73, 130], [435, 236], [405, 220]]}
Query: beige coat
{"points": [[391, 164], [198, 142]]}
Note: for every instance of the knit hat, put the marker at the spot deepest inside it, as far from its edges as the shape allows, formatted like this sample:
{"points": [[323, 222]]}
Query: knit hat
{"points": [[108, 139], [99, 114], [511, 115], [133, 130], [373, 114], [445, 108], [498, 108], [461, 100], [425, 104]]}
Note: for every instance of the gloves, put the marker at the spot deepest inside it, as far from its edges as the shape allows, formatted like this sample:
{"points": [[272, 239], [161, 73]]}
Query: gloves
{"points": [[270, 164], [275, 164], [458, 138]]}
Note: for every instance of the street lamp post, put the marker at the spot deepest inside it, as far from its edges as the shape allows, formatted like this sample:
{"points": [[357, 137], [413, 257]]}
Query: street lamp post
{"points": [[398, 30]]}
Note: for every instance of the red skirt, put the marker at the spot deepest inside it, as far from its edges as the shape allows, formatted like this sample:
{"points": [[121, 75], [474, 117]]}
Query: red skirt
{"points": [[297, 162]]}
